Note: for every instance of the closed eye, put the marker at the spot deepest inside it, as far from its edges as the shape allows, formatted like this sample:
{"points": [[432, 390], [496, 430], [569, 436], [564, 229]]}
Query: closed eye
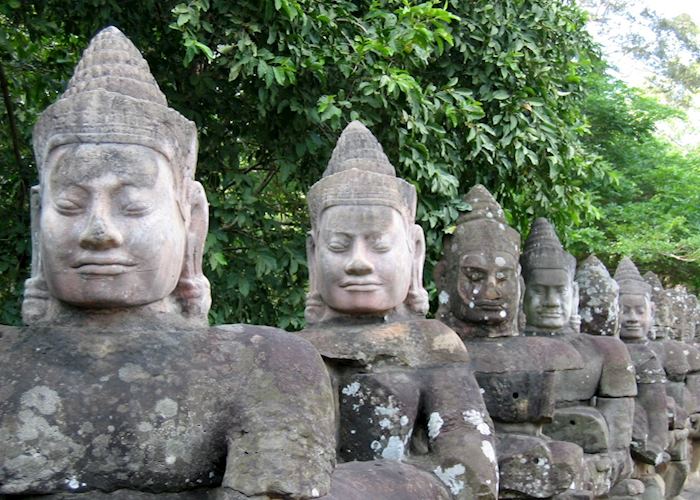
{"points": [[136, 208], [68, 207]]}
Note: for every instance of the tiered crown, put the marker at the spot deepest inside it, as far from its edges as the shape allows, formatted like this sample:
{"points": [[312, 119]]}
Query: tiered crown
{"points": [[543, 250], [359, 173], [112, 97]]}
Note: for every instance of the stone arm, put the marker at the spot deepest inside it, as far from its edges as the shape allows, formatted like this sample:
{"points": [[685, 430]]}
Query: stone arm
{"points": [[460, 433], [284, 443], [652, 399]]}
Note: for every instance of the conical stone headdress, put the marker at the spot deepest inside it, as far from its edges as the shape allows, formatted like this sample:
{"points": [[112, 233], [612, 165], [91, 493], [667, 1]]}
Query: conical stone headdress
{"points": [[630, 281], [543, 250], [112, 97], [485, 226], [359, 173]]}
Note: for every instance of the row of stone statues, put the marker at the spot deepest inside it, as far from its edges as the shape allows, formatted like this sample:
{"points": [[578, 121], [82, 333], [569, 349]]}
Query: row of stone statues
{"points": [[535, 381]]}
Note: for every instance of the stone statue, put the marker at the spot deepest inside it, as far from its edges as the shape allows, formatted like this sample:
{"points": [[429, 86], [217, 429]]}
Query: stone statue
{"points": [[675, 357], [595, 402], [649, 434], [403, 384], [118, 388], [480, 287], [598, 292]]}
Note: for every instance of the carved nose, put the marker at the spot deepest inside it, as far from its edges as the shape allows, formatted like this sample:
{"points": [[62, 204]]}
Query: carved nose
{"points": [[492, 292], [99, 234], [359, 265], [552, 298]]}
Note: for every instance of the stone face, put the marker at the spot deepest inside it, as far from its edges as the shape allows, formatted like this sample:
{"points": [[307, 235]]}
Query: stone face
{"points": [[404, 386], [118, 220], [163, 411], [598, 292], [551, 295], [478, 278]]}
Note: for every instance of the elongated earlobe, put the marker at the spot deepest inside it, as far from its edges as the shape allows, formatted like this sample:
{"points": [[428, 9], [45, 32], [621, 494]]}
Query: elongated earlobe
{"points": [[193, 291]]}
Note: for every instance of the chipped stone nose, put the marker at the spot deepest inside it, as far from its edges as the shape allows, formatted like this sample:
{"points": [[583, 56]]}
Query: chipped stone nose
{"points": [[100, 234]]}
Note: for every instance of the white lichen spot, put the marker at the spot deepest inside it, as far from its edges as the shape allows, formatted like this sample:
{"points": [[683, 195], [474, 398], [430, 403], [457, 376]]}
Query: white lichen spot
{"points": [[110, 428], [386, 411], [500, 261], [476, 291], [170, 459], [166, 407], [375, 445], [403, 420], [351, 389], [385, 423], [502, 314], [73, 483], [444, 297], [630, 368], [475, 418], [471, 305], [44, 399], [394, 449], [144, 427], [489, 215], [449, 477], [131, 372], [488, 451], [434, 425], [315, 493]]}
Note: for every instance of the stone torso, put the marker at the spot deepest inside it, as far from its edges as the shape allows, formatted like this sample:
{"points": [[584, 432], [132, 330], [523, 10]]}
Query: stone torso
{"points": [[158, 411], [405, 391]]}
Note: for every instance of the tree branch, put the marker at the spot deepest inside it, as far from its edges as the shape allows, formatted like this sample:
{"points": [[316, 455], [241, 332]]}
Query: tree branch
{"points": [[13, 124]]}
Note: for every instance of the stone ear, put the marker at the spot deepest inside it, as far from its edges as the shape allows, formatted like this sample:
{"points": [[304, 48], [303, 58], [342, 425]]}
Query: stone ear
{"points": [[193, 291], [315, 306], [417, 298]]}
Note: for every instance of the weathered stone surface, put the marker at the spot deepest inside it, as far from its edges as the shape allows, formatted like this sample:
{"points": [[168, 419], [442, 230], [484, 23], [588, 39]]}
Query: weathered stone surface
{"points": [[535, 467], [387, 480], [582, 425], [480, 288], [118, 388], [598, 292], [551, 299], [404, 387], [164, 411]]}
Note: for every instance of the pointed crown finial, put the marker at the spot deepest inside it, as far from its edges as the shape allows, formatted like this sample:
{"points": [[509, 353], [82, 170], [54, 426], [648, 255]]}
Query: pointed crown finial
{"points": [[543, 250], [359, 173], [112, 97], [484, 225], [630, 281]]}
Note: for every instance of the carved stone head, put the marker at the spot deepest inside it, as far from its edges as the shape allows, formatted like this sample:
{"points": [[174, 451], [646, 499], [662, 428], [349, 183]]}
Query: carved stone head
{"points": [[636, 307], [598, 295], [551, 294], [118, 220], [365, 252], [663, 318], [478, 279]]}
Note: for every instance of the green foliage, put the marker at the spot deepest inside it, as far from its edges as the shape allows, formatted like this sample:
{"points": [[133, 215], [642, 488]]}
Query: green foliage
{"points": [[650, 211], [457, 92]]}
